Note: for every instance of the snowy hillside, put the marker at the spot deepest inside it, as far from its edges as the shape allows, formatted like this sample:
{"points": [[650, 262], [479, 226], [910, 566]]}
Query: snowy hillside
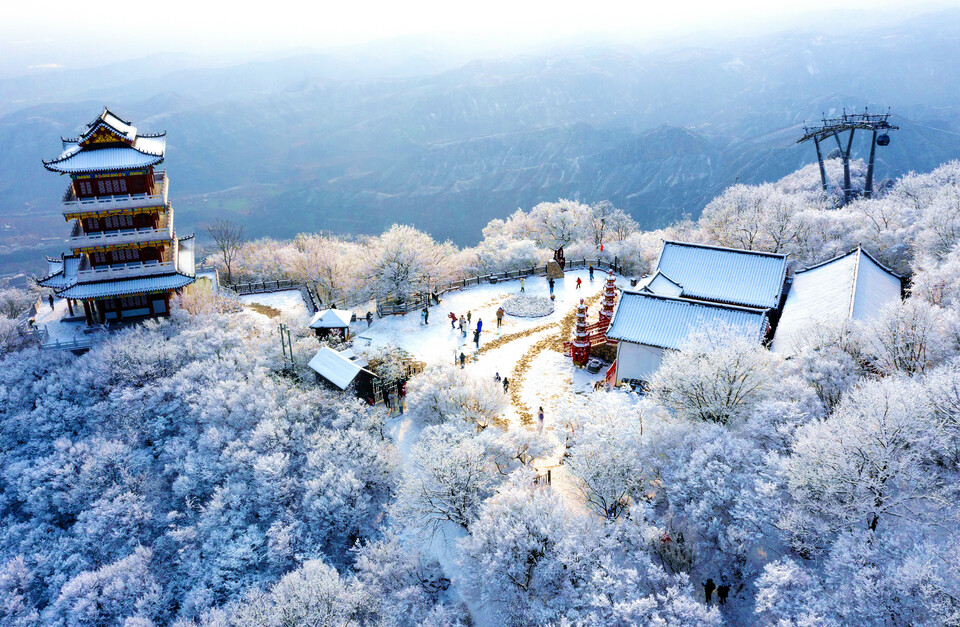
{"points": [[195, 471]]}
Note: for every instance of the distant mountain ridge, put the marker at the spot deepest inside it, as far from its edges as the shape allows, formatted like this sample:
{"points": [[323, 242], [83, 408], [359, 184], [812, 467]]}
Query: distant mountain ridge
{"points": [[291, 145]]}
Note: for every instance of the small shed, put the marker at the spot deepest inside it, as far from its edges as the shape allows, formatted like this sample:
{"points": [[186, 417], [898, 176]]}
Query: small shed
{"points": [[340, 371], [332, 322], [854, 286]]}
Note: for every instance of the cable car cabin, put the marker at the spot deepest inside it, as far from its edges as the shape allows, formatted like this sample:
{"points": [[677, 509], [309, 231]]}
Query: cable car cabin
{"points": [[883, 140]]}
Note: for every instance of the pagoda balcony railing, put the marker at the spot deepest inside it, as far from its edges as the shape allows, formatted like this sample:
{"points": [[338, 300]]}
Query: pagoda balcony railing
{"points": [[125, 270], [98, 239], [156, 197]]}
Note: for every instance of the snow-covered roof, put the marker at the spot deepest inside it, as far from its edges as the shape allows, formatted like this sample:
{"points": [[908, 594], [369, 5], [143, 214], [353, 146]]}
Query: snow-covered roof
{"points": [[854, 286], [87, 153], [331, 319], [335, 367], [125, 287], [666, 322], [728, 275], [145, 151], [660, 283], [63, 272]]}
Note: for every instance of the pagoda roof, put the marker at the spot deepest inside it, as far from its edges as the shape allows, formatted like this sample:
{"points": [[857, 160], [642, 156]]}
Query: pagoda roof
{"points": [[125, 287], [109, 143], [63, 278]]}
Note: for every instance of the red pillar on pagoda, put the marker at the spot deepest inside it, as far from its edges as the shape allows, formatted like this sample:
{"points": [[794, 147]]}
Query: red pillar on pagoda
{"points": [[609, 302], [581, 345]]}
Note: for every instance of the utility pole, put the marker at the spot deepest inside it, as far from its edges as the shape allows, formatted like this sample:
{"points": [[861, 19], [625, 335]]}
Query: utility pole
{"points": [[286, 345]]}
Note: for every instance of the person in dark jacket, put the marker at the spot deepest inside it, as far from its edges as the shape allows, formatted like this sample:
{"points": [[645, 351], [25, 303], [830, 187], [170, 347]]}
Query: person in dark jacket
{"points": [[506, 384], [708, 589], [369, 318], [722, 592], [476, 338], [463, 358]]}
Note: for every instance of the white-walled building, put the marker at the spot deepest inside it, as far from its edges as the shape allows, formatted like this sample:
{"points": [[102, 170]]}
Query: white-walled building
{"points": [[694, 285], [854, 286]]}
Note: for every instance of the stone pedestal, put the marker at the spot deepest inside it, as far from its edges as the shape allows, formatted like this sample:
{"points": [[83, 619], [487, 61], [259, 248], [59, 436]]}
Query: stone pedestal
{"points": [[554, 271]]}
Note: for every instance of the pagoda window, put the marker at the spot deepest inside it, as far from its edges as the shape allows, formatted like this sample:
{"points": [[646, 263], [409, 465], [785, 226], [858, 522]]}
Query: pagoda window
{"points": [[93, 224], [125, 254], [84, 188], [118, 222], [99, 258], [112, 186]]}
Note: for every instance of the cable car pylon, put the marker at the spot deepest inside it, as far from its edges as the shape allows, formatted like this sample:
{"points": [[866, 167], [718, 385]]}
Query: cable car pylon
{"points": [[833, 127]]}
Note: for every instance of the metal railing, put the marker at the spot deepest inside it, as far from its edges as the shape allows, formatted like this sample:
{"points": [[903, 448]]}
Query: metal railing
{"points": [[263, 287], [156, 196], [394, 305]]}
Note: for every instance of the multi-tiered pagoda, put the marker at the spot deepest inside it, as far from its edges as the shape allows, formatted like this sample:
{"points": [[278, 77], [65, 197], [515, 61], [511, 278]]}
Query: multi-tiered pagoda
{"points": [[126, 259]]}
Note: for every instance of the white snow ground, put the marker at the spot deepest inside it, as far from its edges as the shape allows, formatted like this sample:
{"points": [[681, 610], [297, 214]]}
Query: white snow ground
{"points": [[288, 302]]}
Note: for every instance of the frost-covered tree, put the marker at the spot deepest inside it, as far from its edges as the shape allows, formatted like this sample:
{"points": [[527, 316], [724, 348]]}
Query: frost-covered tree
{"points": [[718, 375], [443, 393], [403, 261], [830, 356], [401, 586], [108, 595], [864, 465], [712, 486], [788, 594], [524, 557], [14, 301], [330, 265], [911, 336], [452, 474], [605, 458]]}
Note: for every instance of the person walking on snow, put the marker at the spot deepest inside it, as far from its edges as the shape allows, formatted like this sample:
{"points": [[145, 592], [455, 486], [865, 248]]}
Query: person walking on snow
{"points": [[540, 418], [369, 318], [591, 271], [522, 284], [708, 589], [500, 313], [476, 338], [506, 385], [426, 315], [50, 300], [463, 358], [463, 325], [550, 282], [496, 377], [423, 316], [453, 320], [722, 592], [479, 325], [469, 315], [579, 281]]}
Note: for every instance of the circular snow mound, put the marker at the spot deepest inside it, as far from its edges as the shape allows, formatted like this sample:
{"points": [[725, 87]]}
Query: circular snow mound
{"points": [[528, 306]]}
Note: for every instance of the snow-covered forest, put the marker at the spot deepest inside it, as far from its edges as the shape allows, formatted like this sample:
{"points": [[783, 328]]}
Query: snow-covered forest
{"points": [[179, 474]]}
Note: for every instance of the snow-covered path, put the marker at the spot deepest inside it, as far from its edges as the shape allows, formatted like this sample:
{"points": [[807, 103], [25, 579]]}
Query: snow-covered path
{"points": [[508, 350], [526, 350]]}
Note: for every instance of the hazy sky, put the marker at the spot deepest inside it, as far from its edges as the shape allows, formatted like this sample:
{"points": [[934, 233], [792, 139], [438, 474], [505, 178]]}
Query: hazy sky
{"points": [[83, 32]]}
